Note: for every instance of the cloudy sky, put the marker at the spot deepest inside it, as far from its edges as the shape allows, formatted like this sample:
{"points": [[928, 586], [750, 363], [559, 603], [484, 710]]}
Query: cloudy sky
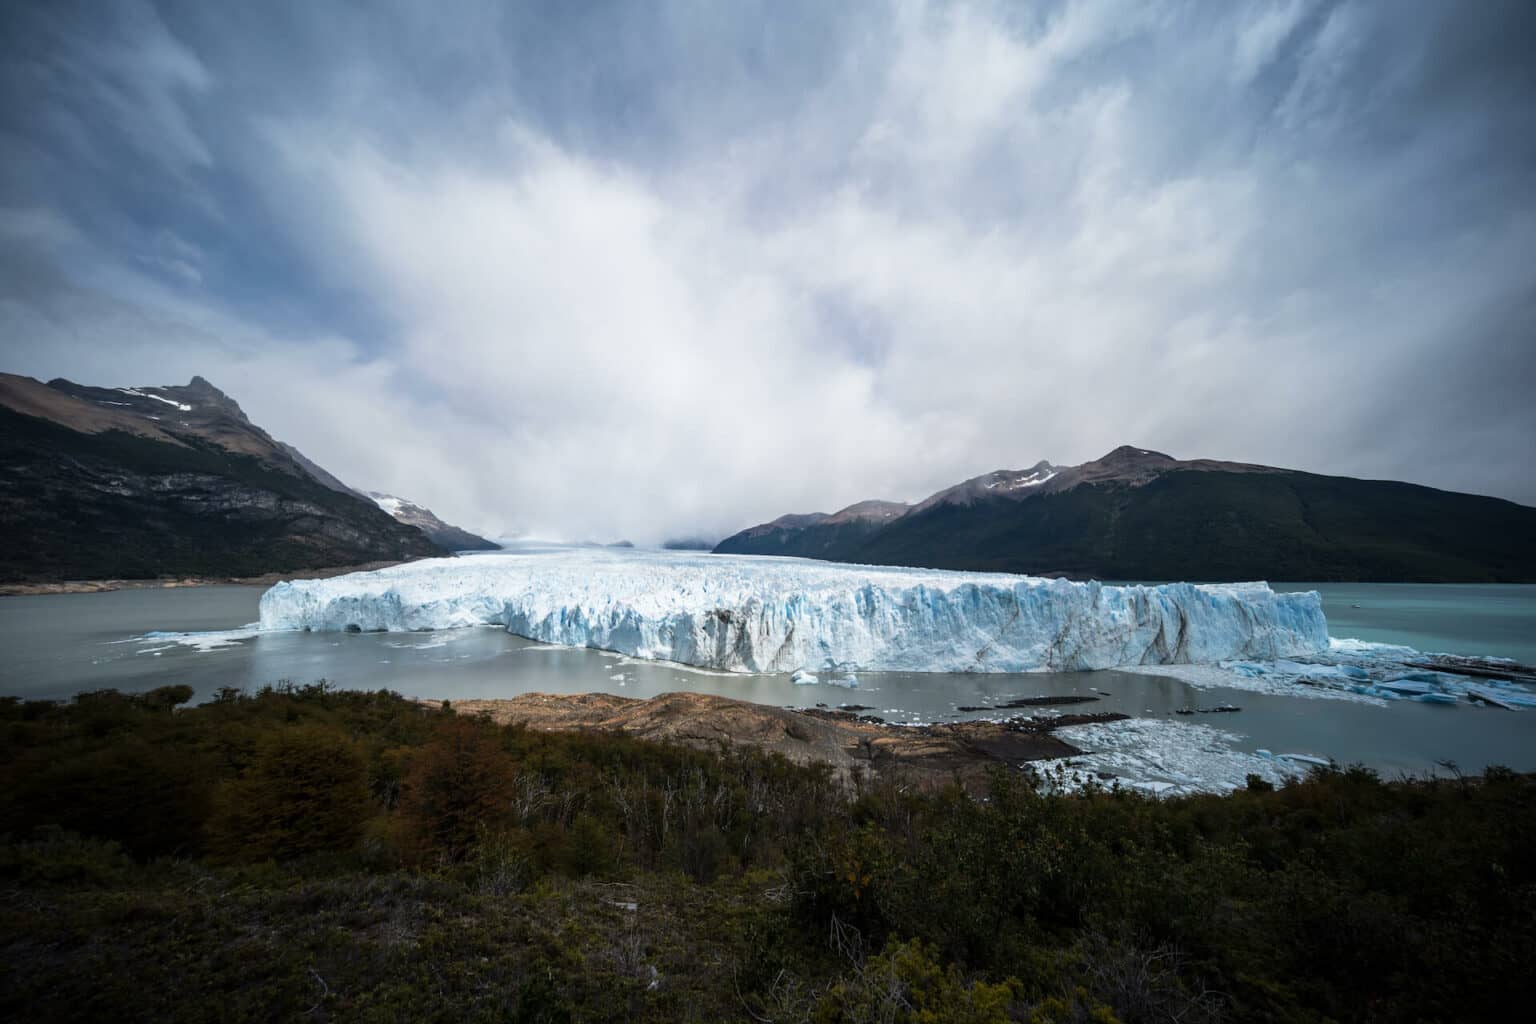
{"points": [[637, 270]]}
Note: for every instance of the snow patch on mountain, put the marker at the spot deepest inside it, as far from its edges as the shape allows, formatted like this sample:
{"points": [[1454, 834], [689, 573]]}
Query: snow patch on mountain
{"points": [[445, 535], [135, 392], [388, 503]]}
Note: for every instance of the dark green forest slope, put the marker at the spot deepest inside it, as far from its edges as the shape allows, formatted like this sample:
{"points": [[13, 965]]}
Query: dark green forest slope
{"points": [[815, 540], [76, 505], [1139, 514], [1201, 525], [303, 854]]}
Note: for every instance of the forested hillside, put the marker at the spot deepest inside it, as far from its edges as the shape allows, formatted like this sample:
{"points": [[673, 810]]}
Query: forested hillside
{"points": [[307, 854]]}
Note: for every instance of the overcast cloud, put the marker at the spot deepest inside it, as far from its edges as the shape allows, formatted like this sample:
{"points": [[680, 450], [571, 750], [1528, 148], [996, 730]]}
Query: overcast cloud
{"points": [[644, 270]]}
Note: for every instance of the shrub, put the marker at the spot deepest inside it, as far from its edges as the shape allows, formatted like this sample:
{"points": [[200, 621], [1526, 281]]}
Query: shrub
{"points": [[457, 786], [53, 856], [151, 798], [589, 848], [305, 792], [906, 982]]}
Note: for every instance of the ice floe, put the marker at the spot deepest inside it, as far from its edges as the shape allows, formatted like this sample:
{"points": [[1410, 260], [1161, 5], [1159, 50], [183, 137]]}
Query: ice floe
{"points": [[1166, 758], [1355, 670], [206, 641]]}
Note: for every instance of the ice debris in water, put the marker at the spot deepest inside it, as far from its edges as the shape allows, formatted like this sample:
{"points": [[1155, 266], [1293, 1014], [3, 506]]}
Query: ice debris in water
{"points": [[215, 640], [1361, 671], [755, 614], [1165, 758]]}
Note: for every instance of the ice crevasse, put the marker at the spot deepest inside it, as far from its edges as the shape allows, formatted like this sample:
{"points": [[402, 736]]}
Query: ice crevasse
{"points": [[746, 614]]}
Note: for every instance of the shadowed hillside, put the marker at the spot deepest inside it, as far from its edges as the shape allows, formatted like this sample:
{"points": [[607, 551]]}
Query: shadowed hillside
{"points": [[1141, 515], [111, 483]]}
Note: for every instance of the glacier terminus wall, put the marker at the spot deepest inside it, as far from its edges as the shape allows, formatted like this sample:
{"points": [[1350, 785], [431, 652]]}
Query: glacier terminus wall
{"points": [[759, 614]]}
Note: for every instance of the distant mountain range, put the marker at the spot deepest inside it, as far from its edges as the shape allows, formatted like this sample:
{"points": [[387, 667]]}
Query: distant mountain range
{"points": [[444, 535], [1137, 514], [816, 534], [688, 544], [141, 482]]}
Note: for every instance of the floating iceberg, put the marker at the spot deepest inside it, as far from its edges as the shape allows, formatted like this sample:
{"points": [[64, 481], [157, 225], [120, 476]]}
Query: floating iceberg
{"points": [[756, 614], [216, 640]]}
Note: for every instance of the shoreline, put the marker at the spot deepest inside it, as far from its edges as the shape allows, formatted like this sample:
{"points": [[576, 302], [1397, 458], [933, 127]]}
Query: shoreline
{"points": [[928, 756], [102, 586]]}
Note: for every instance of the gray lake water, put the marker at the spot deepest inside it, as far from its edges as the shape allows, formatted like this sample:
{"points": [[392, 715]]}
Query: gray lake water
{"points": [[59, 645]]}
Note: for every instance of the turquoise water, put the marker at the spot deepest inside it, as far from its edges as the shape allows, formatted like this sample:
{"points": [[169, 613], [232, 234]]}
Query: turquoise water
{"points": [[1443, 618]]}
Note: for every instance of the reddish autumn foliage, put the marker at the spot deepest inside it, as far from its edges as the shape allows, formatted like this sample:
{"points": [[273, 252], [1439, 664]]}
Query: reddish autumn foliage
{"points": [[458, 786]]}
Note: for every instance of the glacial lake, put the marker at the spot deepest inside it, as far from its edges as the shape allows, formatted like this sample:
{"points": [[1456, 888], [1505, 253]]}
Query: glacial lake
{"points": [[59, 645]]}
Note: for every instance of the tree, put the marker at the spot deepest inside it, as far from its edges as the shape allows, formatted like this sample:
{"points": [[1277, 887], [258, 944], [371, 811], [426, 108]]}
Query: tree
{"points": [[306, 791], [457, 786], [589, 848], [151, 797]]}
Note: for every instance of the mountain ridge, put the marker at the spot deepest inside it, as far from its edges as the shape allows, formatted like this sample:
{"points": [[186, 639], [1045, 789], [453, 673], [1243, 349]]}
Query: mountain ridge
{"points": [[136, 483], [444, 535], [814, 534], [1136, 513]]}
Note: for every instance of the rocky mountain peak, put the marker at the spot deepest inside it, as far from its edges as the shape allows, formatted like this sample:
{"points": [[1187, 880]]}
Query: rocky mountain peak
{"points": [[870, 511], [142, 481], [200, 394], [1001, 483], [1130, 453], [445, 535]]}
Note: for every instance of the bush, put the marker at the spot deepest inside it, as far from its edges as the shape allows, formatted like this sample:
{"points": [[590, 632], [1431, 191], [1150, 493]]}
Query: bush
{"points": [[52, 856], [457, 787], [906, 982], [754, 883], [305, 792], [588, 849], [151, 798]]}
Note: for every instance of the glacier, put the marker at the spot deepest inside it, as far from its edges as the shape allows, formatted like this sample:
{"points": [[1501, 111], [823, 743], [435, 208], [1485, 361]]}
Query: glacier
{"points": [[766, 614]]}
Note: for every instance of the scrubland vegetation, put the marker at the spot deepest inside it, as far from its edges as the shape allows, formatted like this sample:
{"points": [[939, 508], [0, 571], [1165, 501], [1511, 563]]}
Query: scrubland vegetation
{"points": [[307, 854]]}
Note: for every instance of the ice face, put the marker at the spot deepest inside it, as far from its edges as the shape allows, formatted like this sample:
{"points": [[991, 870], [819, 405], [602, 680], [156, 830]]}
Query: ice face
{"points": [[757, 614]]}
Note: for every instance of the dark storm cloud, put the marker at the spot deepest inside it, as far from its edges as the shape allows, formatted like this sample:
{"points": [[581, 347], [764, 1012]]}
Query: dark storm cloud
{"points": [[622, 269]]}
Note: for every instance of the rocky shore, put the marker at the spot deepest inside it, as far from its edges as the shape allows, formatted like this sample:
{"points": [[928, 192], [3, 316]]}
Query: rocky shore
{"points": [[928, 756], [171, 582]]}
